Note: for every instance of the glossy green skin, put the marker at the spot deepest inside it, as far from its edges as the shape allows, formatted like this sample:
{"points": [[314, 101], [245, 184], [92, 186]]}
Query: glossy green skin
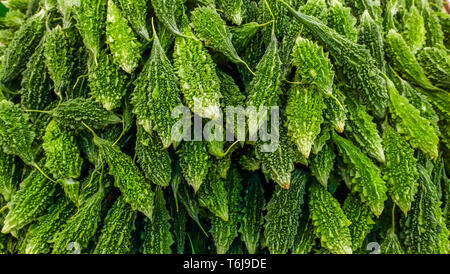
{"points": [[59, 59], [211, 29], [265, 86], [305, 239], [371, 35], [341, 20], [62, 154], [8, 184], [21, 47], [165, 11], [136, 13], [283, 212], [233, 10], [108, 84], [336, 113], [313, 66], [366, 175], [73, 113], [391, 244], [31, 200], [417, 130], [278, 165], [156, 94], [81, 227], [322, 164], [358, 65], [40, 233], [157, 237], [36, 84], [127, 177], [404, 61], [225, 232], [304, 114], [213, 195], [252, 214], [400, 171], [361, 220], [422, 225], [91, 21], [115, 235], [329, 221], [197, 76], [16, 134], [363, 131], [120, 38], [194, 163], [154, 161], [436, 65]]}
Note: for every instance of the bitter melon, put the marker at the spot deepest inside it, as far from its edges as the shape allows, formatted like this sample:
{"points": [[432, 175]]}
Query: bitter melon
{"points": [[198, 78], [156, 94], [329, 221], [108, 84], [233, 10], [194, 163], [40, 233], [400, 171], [21, 47], [224, 232], [370, 34], [361, 220], [322, 164], [154, 161], [136, 13], [341, 20], [16, 134], [115, 235], [127, 177], [8, 182], [283, 213], [366, 175], [435, 62], [213, 195], [120, 38]]}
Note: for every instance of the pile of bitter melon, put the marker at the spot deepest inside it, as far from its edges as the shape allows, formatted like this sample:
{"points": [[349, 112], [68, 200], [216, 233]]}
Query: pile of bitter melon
{"points": [[89, 162]]}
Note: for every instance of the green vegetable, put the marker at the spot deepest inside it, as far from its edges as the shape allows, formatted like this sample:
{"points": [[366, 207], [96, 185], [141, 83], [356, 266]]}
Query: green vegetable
{"points": [[224, 232], [400, 171], [73, 113], [115, 235], [283, 212], [414, 30], [58, 59], [16, 134], [252, 214], [198, 78], [157, 237], [436, 65], [322, 164], [40, 233], [127, 177], [8, 184], [360, 217], [165, 11], [21, 47], [62, 154], [136, 13], [156, 94], [124, 46], [213, 195], [391, 244], [80, 229], [34, 196], [329, 221], [108, 84], [341, 20], [305, 239], [233, 9], [91, 22], [366, 175], [194, 163], [371, 35]]}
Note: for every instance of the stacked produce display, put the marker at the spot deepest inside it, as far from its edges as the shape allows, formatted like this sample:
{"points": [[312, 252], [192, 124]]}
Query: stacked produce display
{"points": [[90, 90]]}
